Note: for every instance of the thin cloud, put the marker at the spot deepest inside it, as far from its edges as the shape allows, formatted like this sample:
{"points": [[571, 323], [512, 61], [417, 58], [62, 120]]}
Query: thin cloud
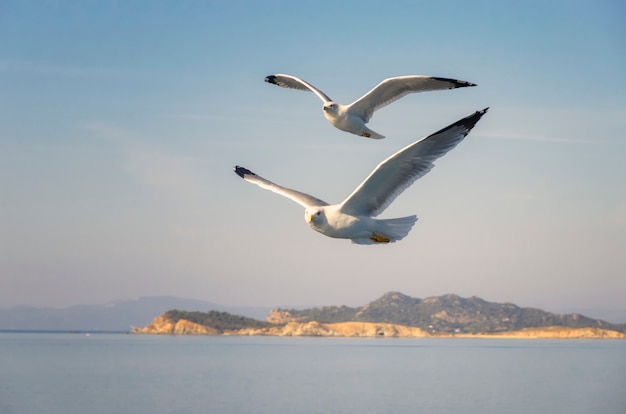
{"points": [[557, 125], [537, 137], [110, 132], [247, 114], [63, 70], [206, 117], [174, 176]]}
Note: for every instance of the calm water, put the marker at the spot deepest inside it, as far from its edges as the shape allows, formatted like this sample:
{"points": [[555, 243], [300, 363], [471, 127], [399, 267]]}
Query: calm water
{"points": [[72, 373]]}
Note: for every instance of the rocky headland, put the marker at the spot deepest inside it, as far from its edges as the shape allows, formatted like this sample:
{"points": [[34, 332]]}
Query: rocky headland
{"points": [[394, 315]]}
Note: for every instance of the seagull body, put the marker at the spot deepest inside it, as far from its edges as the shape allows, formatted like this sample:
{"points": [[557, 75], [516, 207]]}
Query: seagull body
{"points": [[352, 118], [354, 217]]}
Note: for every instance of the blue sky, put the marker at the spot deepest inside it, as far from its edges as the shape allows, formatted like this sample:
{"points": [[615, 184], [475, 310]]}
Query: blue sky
{"points": [[120, 123]]}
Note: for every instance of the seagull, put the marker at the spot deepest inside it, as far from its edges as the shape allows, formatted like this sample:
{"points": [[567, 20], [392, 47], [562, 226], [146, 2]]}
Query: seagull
{"points": [[352, 118], [354, 218]]}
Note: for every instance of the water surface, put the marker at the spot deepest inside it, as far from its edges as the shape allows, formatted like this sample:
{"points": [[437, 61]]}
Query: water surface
{"points": [[117, 373]]}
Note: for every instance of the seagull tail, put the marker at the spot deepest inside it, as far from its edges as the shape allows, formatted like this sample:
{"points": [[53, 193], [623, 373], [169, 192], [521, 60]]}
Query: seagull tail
{"points": [[368, 133], [389, 230], [397, 228]]}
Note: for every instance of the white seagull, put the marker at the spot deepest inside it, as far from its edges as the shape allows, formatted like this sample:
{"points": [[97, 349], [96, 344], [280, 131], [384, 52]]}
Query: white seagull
{"points": [[354, 217], [352, 118]]}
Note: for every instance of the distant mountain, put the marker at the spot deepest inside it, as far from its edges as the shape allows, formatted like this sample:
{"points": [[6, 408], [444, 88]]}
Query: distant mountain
{"points": [[114, 316], [442, 314]]}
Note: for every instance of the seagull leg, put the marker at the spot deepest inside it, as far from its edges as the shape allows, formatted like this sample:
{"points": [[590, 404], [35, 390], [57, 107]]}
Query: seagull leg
{"points": [[379, 238]]}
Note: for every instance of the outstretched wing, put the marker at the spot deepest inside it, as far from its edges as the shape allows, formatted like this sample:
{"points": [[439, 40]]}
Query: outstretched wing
{"points": [[392, 176], [303, 199], [393, 89], [291, 82]]}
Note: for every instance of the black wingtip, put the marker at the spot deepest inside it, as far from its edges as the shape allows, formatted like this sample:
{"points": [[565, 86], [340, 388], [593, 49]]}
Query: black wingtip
{"points": [[455, 83], [470, 121], [241, 171], [462, 84], [271, 79], [466, 123]]}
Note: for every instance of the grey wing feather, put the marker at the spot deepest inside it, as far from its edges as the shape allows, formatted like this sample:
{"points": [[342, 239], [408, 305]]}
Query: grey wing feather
{"points": [[395, 174], [303, 199], [392, 89], [291, 82]]}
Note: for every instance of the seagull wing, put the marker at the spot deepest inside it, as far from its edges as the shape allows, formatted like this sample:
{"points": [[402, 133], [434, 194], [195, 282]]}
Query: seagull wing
{"points": [[392, 89], [291, 82], [303, 199], [394, 175]]}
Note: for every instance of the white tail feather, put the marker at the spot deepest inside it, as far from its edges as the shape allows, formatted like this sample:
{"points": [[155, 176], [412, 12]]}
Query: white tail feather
{"points": [[393, 229]]}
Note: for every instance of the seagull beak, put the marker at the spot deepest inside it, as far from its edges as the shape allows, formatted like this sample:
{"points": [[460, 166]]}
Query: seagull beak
{"points": [[309, 217]]}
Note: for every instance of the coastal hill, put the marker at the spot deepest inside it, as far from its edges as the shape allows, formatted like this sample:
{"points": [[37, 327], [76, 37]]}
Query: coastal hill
{"points": [[394, 315]]}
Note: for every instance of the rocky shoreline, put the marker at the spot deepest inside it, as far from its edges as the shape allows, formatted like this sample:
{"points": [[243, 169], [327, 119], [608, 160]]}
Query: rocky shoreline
{"points": [[163, 326]]}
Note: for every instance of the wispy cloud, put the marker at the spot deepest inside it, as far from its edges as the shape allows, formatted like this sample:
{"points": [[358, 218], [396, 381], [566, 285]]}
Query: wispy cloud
{"points": [[246, 114], [109, 132], [536, 137], [172, 175], [42, 68], [208, 117], [557, 125]]}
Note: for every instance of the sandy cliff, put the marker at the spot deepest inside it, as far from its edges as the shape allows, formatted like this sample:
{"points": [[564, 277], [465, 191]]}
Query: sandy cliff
{"points": [[161, 325], [553, 332], [344, 329]]}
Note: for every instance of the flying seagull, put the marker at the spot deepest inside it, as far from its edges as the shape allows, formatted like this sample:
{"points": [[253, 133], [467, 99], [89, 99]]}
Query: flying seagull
{"points": [[352, 118], [354, 217]]}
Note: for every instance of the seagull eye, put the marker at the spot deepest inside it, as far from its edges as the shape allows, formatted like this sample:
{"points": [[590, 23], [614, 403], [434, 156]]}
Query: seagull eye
{"points": [[318, 213]]}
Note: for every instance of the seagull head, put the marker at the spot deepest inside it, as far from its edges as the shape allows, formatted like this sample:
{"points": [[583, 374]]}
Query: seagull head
{"points": [[329, 107], [313, 216]]}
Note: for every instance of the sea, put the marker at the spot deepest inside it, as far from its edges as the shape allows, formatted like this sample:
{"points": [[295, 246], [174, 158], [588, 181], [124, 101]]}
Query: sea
{"points": [[117, 373]]}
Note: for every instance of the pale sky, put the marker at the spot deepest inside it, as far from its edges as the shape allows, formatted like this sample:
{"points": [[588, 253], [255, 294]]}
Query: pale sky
{"points": [[120, 123]]}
